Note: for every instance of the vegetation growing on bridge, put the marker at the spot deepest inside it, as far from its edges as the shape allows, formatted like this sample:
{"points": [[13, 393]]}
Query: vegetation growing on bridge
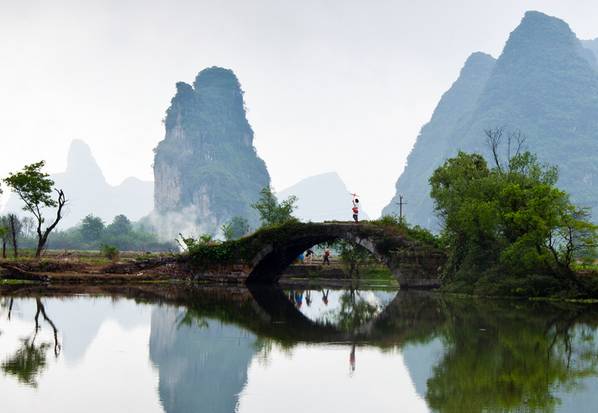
{"points": [[207, 253], [397, 226]]}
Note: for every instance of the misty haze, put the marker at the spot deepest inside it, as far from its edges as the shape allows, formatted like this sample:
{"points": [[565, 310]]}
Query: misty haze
{"points": [[256, 206]]}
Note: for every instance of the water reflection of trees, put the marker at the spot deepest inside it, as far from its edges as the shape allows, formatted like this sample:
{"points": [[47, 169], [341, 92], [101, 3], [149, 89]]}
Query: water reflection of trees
{"points": [[498, 355], [503, 356], [28, 362], [354, 311]]}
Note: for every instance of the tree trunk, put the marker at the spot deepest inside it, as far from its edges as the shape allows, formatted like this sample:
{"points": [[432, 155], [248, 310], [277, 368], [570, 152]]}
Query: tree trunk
{"points": [[3, 248], [39, 249], [40, 307], [43, 238], [41, 243], [14, 235]]}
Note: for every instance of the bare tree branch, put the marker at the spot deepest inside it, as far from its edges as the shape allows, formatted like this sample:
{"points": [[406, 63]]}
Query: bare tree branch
{"points": [[493, 140]]}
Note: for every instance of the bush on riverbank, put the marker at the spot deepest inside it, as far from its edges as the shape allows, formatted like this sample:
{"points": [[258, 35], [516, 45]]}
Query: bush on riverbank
{"points": [[508, 230]]}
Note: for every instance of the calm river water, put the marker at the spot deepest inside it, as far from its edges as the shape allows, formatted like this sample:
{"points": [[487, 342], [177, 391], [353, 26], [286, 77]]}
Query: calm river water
{"points": [[213, 349]]}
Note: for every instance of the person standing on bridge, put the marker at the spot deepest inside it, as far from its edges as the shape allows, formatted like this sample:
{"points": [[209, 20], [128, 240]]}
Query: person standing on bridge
{"points": [[355, 209]]}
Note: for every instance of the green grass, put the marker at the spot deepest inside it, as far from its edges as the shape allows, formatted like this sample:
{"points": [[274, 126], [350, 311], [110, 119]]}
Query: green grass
{"points": [[584, 266], [15, 282], [88, 257]]}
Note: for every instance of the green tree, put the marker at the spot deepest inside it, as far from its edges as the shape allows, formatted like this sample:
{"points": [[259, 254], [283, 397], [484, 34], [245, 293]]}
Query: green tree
{"points": [[35, 189], [4, 235], [110, 252], [15, 228], [353, 257], [273, 213], [91, 228], [235, 228], [121, 225], [510, 218]]}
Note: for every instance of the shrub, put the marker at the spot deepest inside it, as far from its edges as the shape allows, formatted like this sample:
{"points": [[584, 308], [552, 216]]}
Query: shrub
{"points": [[110, 252]]}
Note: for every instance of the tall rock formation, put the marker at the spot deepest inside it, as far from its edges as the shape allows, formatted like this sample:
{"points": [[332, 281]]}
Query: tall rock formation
{"points": [[88, 192], [545, 85], [206, 169], [433, 145]]}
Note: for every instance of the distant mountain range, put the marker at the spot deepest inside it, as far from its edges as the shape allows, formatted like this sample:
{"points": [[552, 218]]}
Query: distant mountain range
{"points": [[321, 197], [544, 85], [88, 192]]}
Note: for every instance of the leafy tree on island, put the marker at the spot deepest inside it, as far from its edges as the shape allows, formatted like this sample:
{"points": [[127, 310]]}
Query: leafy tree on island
{"points": [[273, 213], [35, 189], [509, 219]]}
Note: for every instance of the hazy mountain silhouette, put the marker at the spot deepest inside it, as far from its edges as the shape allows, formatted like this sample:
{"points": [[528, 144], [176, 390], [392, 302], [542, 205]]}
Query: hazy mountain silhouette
{"points": [[88, 192], [544, 84], [203, 365], [434, 145], [320, 198], [591, 45]]}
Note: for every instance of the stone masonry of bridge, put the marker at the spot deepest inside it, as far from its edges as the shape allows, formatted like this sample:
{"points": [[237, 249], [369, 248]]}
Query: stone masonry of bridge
{"points": [[262, 257]]}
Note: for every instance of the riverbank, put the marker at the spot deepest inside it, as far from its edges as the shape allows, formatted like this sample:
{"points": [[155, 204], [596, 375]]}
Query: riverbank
{"points": [[89, 268], [578, 286]]}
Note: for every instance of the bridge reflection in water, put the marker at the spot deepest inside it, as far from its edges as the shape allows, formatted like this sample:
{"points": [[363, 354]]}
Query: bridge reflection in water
{"points": [[462, 354], [221, 349]]}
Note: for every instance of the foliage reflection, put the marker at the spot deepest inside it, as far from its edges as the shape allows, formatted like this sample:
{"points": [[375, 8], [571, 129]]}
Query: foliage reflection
{"points": [[30, 359], [494, 356]]}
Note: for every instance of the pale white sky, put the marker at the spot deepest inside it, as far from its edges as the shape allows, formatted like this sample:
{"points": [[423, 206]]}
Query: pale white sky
{"points": [[339, 85]]}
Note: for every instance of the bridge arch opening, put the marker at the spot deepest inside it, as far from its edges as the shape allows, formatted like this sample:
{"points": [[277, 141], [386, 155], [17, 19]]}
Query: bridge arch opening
{"points": [[273, 260]]}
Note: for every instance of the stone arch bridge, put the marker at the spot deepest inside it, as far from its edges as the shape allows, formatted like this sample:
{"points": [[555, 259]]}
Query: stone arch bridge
{"points": [[262, 257]]}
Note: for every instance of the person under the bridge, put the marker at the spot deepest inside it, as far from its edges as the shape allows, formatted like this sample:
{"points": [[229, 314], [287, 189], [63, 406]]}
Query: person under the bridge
{"points": [[326, 257], [355, 208]]}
